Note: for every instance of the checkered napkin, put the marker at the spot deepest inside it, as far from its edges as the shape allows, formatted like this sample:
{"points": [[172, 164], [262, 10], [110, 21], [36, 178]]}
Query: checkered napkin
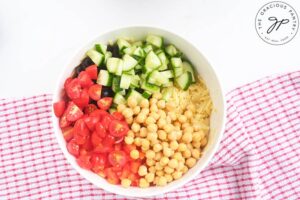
{"points": [[259, 156]]}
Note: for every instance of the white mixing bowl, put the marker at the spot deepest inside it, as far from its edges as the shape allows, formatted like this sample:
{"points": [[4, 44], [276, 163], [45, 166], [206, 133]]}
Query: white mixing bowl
{"points": [[201, 65]]}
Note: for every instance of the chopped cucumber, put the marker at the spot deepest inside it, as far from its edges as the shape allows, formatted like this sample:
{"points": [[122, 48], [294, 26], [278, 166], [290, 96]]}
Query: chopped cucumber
{"points": [[128, 62], [152, 61], [164, 61], [122, 43], [169, 84], [101, 48], [146, 94], [136, 95], [104, 78], [176, 62], [120, 68], [156, 78], [178, 71], [184, 80], [119, 99], [125, 81], [95, 56], [131, 72], [155, 40], [137, 44], [113, 64], [107, 55], [167, 73], [116, 84], [150, 87], [139, 52], [187, 67], [135, 81], [148, 48], [137, 67], [167, 93], [129, 50], [171, 50]]}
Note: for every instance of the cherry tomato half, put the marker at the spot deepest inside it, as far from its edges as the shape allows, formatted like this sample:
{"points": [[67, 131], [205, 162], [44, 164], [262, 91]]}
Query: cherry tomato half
{"points": [[84, 161], [105, 103], [95, 92], [73, 89], [83, 100], [92, 71], [84, 79], [63, 122], [118, 128], [99, 162], [73, 112], [100, 129], [90, 122], [59, 108], [118, 116], [90, 108], [73, 148], [117, 158], [68, 133]]}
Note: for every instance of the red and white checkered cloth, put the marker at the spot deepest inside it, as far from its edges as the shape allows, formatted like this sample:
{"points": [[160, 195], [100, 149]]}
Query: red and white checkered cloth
{"points": [[259, 157]]}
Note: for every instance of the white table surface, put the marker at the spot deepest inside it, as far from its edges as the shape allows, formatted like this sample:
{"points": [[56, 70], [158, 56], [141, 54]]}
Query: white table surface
{"points": [[38, 37]]}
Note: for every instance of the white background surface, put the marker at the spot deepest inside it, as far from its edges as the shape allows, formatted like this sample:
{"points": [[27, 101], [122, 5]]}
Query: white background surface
{"points": [[38, 37]]}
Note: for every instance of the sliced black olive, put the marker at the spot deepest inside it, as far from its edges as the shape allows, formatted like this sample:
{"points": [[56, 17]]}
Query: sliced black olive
{"points": [[82, 66], [114, 49], [107, 92], [140, 90]]}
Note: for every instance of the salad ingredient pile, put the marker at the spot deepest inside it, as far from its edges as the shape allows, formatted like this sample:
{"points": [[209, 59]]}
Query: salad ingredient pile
{"points": [[135, 113]]}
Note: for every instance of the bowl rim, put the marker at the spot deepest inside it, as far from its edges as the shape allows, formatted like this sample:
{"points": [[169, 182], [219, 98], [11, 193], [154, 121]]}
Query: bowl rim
{"points": [[109, 187]]}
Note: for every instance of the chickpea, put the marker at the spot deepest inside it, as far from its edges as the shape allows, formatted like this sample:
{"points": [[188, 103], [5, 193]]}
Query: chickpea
{"points": [[185, 125], [162, 135], [150, 120], [132, 102], [127, 112], [135, 127], [153, 108], [197, 136], [182, 118], [170, 106], [164, 161], [167, 151], [129, 120], [142, 170], [203, 142], [160, 173], [188, 114], [172, 135], [188, 129], [143, 132], [150, 154], [153, 101], [157, 95], [197, 127], [177, 174], [168, 170], [152, 127], [143, 183], [121, 107], [125, 182], [150, 162], [152, 136], [169, 177], [162, 181], [161, 122], [190, 162], [196, 144], [150, 177], [144, 103], [187, 137], [136, 110], [145, 148], [165, 144], [155, 115], [137, 141], [185, 169], [191, 107], [158, 156], [190, 146], [172, 115], [182, 147], [140, 118], [134, 154], [145, 111], [196, 153], [187, 153], [130, 133], [178, 134], [177, 156], [158, 166], [129, 140], [174, 145], [177, 124], [145, 143], [162, 113], [152, 169], [181, 165], [168, 128], [173, 163], [161, 104], [168, 119], [157, 147]]}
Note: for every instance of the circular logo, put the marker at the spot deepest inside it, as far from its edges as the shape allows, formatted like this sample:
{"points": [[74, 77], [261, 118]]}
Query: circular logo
{"points": [[276, 23]]}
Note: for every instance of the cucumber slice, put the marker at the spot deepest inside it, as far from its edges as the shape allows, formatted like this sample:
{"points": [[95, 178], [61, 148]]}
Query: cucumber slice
{"points": [[120, 68], [135, 81], [107, 56], [138, 44], [122, 44], [128, 62], [131, 72], [137, 67], [116, 84], [113, 64], [125, 81], [139, 52], [146, 94], [169, 84], [148, 48], [156, 78], [150, 87], [119, 99], [129, 50], [95, 56], [136, 95], [184, 80], [167, 93], [152, 61], [104, 78], [155, 40], [187, 67], [167, 73], [171, 50], [164, 61], [176, 62], [178, 71], [101, 48]]}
